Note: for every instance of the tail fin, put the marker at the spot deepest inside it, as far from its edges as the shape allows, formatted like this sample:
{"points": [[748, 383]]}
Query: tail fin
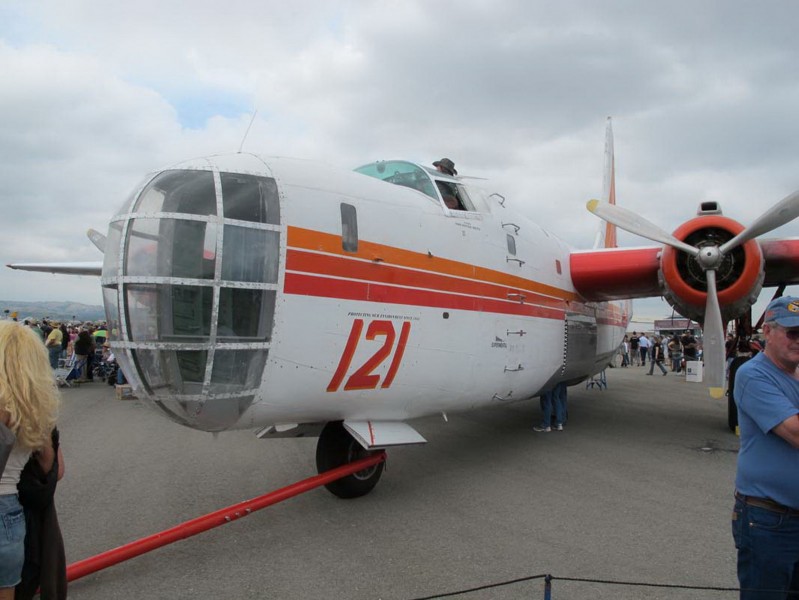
{"points": [[606, 236]]}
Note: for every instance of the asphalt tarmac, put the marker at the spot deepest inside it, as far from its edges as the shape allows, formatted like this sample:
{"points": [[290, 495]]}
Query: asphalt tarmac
{"points": [[637, 488]]}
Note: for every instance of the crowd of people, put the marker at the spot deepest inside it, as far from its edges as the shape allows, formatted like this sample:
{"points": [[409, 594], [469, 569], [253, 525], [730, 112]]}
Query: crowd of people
{"points": [[660, 350], [672, 352], [84, 345]]}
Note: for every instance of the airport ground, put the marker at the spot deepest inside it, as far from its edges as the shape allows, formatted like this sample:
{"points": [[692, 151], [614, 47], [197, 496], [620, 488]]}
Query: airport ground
{"points": [[637, 488]]}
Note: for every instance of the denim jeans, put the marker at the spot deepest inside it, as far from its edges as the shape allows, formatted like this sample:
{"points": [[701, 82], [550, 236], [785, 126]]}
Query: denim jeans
{"points": [[554, 398], [55, 354], [12, 540], [768, 551], [653, 363]]}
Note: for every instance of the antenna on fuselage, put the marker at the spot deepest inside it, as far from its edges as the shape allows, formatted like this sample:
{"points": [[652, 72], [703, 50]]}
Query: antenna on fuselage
{"points": [[246, 133]]}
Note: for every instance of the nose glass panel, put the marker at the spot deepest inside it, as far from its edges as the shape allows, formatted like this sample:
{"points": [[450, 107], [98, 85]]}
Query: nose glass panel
{"points": [[169, 313], [245, 315], [171, 248], [250, 254], [199, 253], [236, 370], [188, 192], [248, 198]]}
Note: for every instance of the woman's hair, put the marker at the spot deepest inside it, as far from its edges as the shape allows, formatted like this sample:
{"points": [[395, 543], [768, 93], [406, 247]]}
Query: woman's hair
{"points": [[27, 387]]}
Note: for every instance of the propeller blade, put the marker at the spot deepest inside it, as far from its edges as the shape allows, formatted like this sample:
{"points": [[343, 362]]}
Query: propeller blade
{"points": [[713, 339], [629, 221], [785, 211]]}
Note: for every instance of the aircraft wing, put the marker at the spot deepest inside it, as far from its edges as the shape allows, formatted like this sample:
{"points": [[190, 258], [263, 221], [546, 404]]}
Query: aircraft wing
{"points": [[782, 261], [65, 268], [618, 273], [70, 268]]}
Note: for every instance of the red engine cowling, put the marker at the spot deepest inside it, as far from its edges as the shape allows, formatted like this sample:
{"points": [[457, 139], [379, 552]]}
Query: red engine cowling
{"points": [[739, 278]]}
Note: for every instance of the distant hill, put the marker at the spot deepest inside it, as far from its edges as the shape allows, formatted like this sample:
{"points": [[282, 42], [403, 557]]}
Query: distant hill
{"points": [[62, 311]]}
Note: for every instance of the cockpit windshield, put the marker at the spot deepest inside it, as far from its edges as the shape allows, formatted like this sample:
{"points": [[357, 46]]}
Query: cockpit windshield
{"points": [[400, 172]]}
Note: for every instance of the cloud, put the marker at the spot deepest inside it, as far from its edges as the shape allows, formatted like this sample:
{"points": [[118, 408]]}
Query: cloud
{"points": [[99, 94]]}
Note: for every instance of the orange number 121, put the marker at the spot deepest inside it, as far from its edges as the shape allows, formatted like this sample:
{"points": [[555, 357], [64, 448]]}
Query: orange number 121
{"points": [[364, 378]]}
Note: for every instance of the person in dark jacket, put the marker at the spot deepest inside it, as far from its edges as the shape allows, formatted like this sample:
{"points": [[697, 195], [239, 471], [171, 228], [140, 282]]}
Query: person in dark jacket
{"points": [[64, 340], [84, 347], [656, 356]]}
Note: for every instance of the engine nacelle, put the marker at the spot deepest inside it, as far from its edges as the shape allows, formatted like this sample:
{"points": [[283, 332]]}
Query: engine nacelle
{"points": [[739, 278]]}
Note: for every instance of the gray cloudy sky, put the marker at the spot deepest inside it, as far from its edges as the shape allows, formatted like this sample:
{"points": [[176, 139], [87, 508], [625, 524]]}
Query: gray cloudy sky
{"points": [[704, 97]]}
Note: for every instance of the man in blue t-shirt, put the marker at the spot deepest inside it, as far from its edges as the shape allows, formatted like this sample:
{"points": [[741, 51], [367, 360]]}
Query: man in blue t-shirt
{"points": [[765, 521]]}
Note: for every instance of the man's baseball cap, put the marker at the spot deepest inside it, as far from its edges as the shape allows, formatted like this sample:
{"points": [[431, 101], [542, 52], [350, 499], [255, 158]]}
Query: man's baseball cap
{"points": [[783, 311]]}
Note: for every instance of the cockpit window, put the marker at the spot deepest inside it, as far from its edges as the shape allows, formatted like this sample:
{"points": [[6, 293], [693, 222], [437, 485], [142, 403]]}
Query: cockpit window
{"points": [[454, 196], [465, 198], [401, 173]]}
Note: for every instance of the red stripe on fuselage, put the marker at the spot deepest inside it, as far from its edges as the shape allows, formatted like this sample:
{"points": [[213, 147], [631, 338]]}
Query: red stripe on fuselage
{"points": [[328, 287]]}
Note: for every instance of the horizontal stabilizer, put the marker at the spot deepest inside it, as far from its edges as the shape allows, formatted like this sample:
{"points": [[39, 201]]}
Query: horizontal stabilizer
{"points": [[66, 268], [382, 434]]}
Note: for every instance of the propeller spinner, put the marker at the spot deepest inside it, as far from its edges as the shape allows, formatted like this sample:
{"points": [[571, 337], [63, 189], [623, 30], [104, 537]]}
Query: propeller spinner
{"points": [[709, 258]]}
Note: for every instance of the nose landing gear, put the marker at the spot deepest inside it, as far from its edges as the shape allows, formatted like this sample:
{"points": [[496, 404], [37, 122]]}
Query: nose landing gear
{"points": [[337, 447]]}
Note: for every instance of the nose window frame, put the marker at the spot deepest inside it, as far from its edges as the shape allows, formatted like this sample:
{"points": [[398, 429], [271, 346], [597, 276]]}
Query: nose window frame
{"points": [[147, 298]]}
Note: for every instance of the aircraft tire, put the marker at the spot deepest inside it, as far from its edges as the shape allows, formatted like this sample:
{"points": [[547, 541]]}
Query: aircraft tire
{"points": [[337, 447], [732, 413]]}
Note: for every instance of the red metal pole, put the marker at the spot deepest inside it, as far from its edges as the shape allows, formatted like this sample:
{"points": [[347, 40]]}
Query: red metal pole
{"points": [[215, 519]]}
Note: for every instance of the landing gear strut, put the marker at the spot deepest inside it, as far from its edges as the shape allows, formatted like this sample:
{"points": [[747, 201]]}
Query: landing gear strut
{"points": [[337, 447]]}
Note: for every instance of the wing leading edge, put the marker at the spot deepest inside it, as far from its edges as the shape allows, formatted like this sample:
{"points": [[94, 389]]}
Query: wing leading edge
{"points": [[65, 268]]}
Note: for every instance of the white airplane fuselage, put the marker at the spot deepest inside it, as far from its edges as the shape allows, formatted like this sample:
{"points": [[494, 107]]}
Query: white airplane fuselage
{"points": [[250, 292]]}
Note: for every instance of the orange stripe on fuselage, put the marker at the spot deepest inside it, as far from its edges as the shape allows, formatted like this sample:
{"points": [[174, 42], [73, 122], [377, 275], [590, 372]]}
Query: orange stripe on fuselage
{"points": [[308, 239], [327, 287]]}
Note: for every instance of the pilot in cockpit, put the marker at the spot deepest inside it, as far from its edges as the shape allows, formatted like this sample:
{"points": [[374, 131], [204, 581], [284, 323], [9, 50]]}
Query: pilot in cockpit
{"points": [[449, 194], [452, 202]]}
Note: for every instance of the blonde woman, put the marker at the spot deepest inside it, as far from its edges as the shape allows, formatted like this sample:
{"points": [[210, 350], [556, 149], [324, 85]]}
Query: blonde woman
{"points": [[29, 407]]}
